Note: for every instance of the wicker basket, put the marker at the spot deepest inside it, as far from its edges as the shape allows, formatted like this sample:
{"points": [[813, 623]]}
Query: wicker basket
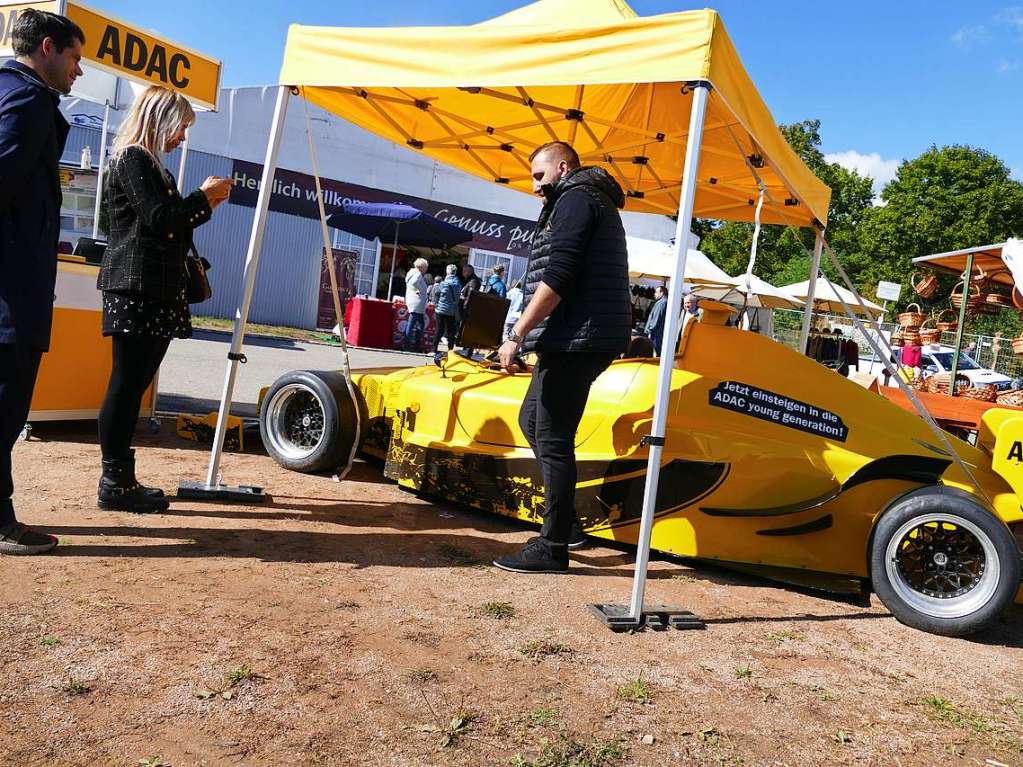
{"points": [[929, 335], [911, 336], [926, 286], [1017, 346], [910, 319], [897, 339], [938, 383], [972, 297], [1017, 298], [946, 326], [988, 393], [981, 279], [1012, 398]]}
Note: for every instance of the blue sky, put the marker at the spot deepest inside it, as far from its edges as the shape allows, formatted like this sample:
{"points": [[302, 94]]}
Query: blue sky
{"points": [[887, 79]]}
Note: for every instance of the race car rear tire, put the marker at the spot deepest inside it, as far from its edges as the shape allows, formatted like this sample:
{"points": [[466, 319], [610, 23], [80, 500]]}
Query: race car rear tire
{"points": [[943, 564], [307, 421]]}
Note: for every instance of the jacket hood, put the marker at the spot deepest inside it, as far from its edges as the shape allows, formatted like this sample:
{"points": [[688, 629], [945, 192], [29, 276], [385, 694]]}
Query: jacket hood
{"points": [[594, 176]]}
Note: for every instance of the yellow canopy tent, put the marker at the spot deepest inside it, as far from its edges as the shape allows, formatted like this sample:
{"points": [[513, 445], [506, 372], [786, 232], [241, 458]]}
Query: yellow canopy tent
{"points": [[662, 102], [590, 72]]}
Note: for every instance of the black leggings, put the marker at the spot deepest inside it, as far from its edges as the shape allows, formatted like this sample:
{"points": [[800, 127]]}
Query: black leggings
{"points": [[136, 360]]}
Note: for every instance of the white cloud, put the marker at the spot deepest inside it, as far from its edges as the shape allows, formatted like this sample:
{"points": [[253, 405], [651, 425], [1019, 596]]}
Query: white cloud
{"points": [[873, 165], [967, 37], [1012, 16], [1005, 66]]}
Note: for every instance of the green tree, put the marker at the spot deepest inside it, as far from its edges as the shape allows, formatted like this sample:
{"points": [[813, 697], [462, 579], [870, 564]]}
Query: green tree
{"points": [[945, 199], [783, 250]]}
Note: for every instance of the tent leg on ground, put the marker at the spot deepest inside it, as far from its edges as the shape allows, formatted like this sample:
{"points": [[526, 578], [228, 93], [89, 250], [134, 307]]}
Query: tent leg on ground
{"points": [[213, 487], [612, 614]]}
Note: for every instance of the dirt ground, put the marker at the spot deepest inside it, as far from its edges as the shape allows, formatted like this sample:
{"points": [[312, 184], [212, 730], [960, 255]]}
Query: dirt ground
{"points": [[354, 624]]}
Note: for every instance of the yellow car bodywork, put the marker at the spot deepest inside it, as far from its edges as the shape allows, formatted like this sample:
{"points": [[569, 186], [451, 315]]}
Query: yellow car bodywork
{"points": [[770, 461]]}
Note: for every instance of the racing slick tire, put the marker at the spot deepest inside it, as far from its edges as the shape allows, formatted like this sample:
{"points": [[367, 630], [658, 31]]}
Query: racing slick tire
{"points": [[943, 564], [308, 421]]}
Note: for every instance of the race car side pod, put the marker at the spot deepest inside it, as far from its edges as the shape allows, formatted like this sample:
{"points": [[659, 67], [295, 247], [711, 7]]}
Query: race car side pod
{"points": [[889, 368], [619, 617]]}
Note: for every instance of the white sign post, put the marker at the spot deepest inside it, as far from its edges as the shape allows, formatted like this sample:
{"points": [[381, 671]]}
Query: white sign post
{"points": [[888, 291]]}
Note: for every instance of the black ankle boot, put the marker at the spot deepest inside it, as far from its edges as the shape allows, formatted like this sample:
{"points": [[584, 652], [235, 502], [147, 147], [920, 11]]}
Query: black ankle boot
{"points": [[118, 490], [152, 492]]}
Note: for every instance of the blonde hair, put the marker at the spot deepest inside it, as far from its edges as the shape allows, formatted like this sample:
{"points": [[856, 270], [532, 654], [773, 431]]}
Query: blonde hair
{"points": [[420, 262], [153, 120]]}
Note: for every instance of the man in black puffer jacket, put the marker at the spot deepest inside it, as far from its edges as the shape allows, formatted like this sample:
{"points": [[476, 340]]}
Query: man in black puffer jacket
{"points": [[576, 316]]}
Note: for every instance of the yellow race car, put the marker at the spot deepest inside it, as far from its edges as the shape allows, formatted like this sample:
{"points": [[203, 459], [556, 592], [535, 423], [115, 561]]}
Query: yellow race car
{"points": [[772, 464]]}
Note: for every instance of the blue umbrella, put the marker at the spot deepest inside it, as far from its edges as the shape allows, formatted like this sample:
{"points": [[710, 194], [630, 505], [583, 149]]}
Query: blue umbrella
{"points": [[386, 220]]}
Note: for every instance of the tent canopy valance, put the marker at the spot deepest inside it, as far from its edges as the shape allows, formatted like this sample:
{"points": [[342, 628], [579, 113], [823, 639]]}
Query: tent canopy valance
{"points": [[482, 98], [985, 257]]}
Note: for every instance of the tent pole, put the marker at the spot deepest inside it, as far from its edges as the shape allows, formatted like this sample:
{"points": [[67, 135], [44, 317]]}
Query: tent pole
{"points": [[181, 165], [967, 279], [701, 93], [394, 259], [251, 265], [811, 290], [99, 173]]}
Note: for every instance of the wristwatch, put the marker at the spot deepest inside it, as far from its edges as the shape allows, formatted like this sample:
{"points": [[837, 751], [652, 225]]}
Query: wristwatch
{"points": [[513, 336]]}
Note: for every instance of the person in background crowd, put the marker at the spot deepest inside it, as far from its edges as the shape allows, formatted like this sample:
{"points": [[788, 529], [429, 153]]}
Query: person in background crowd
{"points": [[433, 290], [470, 283], [415, 299], [654, 327], [514, 309], [577, 318], [47, 49], [495, 282], [911, 358], [446, 310], [143, 278]]}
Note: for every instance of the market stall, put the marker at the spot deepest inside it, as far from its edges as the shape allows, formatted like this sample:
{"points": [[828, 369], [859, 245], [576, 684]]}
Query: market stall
{"points": [[114, 52], [987, 285], [662, 102]]}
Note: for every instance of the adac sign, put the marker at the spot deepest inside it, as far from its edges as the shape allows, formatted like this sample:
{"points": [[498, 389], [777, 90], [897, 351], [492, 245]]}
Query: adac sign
{"points": [[137, 55], [9, 14]]}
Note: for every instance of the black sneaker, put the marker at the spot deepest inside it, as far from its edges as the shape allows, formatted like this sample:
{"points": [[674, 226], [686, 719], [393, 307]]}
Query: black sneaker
{"points": [[537, 556], [577, 539], [16, 538]]}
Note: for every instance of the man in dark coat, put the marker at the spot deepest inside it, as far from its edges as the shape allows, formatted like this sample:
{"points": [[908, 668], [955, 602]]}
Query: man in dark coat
{"points": [[654, 327], [47, 50], [577, 317]]}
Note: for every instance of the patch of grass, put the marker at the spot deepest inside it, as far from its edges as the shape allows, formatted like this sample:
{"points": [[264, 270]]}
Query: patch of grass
{"points": [[538, 649], [843, 738], [457, 555], [153, 761], [542, 717], [635, 691], [426, 638], [241, 674], [743, 672], [781, 636], [569, 752], [942, 710], [709, 735], [684, 577], [421, 676], [49, 642], [347, 604], [498, 610], [75, 686]]}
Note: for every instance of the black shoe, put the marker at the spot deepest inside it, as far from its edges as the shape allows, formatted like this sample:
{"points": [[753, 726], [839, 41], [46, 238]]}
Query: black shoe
{"points": [[16, 538], [577, 539], [119, 491], [152, 492], [537, 556]]}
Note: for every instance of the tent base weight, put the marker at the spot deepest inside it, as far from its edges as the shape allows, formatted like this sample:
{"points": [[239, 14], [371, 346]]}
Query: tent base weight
{"points": [[200, 491], [656, 617]]}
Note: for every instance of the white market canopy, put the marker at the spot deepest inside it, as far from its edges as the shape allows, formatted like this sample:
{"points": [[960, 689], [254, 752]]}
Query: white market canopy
{"points": [[757, 293], [649, 259], [829, 297]]}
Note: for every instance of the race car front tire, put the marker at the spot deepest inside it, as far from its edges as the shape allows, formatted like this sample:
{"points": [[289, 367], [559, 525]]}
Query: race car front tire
{"points": [[308, 421], [943, 564]]}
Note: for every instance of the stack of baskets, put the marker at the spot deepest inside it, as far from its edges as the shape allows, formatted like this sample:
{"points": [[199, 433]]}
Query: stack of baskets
{"points": [[909, 323], [939, 384]]}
